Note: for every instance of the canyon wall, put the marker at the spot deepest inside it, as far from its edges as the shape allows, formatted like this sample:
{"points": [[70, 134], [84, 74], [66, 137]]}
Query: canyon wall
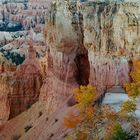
{"points": [[112, 38], [67, 57], [88, 43], [99, 39], [84, 48]]}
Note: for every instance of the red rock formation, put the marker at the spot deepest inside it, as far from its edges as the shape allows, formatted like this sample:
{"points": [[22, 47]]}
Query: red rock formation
{"points": [[4, 102], [5, 65], [26, 87], [6, 74], [108, 71], [69, 65], [20, 88], [60, 80]]}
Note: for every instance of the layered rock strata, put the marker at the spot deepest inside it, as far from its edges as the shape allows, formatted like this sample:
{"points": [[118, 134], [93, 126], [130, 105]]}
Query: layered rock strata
{"points": [[106, 34], [67, 57], [27, 84], [20, 88], [111, 35]]}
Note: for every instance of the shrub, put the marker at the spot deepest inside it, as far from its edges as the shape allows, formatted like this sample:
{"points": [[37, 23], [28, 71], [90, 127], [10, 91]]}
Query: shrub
{"points": [[16, 137], [40, 114], [115, 132], [27, 128]]}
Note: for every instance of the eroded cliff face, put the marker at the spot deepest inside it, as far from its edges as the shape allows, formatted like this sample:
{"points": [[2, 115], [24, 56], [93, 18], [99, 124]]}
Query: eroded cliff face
{"points": [[111, 35], [6, 74], [111, 28], [68, 59], [4, 102], [26, 85], [105, 37], [20, 88]]}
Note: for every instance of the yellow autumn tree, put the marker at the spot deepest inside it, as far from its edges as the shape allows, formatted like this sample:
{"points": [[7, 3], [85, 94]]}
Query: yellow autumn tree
{"points": [[96, 122], [84, 96], [133, 89], [91, 121], [128, 108]]}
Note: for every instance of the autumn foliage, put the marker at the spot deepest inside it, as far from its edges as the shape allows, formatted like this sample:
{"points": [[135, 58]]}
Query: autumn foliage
{"points": [[84, 96], [129, 106], [103, 122], [71, 121], [133, 89], [115, 132]]}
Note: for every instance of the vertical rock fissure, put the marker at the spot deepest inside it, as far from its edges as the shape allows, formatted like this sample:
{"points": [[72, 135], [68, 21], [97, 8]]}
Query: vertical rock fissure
{"points": [[81, 60], [83, 69]]}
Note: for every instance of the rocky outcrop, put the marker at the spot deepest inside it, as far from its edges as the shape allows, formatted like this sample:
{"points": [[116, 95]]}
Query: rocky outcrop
{"points": [[88, 48], [79, 54], [23, 15], [5, 38], [112, 28], [20, 88], [4, 102], [111, 35], [100, 36], [27, 84], [68, 64], [6, 74]]}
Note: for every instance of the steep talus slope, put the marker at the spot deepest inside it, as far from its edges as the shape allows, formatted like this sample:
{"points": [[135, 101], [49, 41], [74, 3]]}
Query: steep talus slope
{"points": [[18, 124], [41, 124]]}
